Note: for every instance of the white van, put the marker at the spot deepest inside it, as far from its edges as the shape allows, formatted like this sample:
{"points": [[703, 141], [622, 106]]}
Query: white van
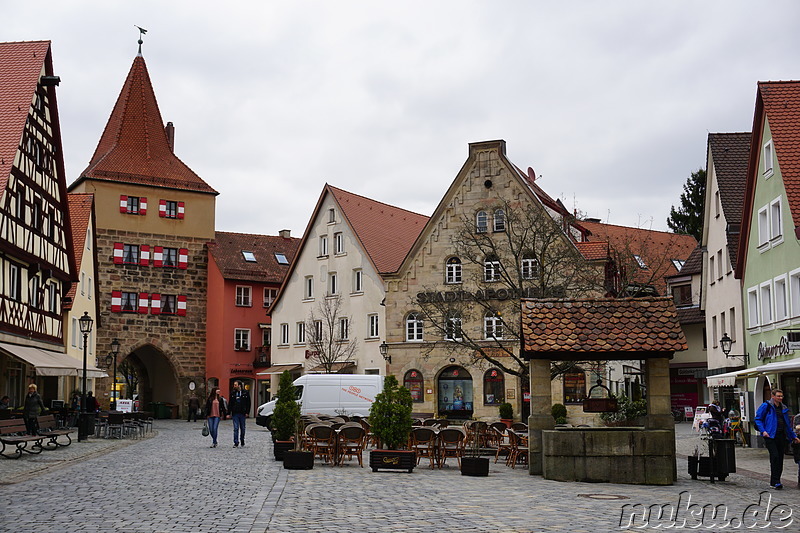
{"points": [[330, 394]]}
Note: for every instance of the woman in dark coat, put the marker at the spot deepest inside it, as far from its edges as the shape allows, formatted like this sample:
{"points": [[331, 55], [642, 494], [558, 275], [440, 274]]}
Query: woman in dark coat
{"points": [[33, 407]]}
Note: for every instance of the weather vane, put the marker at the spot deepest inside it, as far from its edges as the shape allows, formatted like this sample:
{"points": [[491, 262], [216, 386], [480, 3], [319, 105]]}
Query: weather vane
{"points": [[142, 31]]}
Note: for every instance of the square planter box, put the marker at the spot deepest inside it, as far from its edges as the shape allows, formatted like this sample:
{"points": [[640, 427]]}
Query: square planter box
{"points": [[293, 460], [281, 447], [392, 460], [475, 466]]}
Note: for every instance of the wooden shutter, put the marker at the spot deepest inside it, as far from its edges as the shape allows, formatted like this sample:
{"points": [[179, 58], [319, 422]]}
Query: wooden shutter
{"points": [[181, 305], [123, 203], [158, 256], [181, 209], [183, 258], [162, 208], [143, 206], [143, 302], [116, 301], [144, 255], [118, 248], [155, 304]]}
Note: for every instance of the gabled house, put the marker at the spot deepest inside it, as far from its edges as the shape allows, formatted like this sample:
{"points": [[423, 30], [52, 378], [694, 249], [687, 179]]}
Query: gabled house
{"points": [[329, 315], [245, 272], [154, 218], [35, 236]]}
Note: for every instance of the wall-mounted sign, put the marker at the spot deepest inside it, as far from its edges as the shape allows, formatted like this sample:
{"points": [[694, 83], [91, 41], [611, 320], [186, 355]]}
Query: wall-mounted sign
{"points": [[478, 296], [311, 353], [510, 394], [775, 350], [192, 385]]}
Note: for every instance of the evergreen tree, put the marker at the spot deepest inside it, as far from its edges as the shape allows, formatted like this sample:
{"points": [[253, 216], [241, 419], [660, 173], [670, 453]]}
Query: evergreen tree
{"points": [[688, 218], [287, 410]]}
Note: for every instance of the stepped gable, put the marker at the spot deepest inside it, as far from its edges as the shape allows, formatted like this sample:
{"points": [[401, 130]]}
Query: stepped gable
{"points": [[227, 252], [601, 326], [80, 215], [134, 147], [20, 67], [386, 232]]}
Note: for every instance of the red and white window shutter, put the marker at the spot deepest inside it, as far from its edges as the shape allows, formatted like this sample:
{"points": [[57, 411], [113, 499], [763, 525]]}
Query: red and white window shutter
{"points": [[144, 255], [142, 205], [155, 304], [143, 296], [181, 305], [183, 258], [158, 256], [123, 203], [118, 248], [181, 209], [162, 208], [116, 301]]}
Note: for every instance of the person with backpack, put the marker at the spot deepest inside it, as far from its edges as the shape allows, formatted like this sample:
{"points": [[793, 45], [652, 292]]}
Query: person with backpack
{"points": [[773, 423]]}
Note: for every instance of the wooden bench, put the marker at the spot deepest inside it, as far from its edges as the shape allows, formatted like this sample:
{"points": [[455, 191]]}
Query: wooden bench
{"points": [[12, 432], [48, 427]]}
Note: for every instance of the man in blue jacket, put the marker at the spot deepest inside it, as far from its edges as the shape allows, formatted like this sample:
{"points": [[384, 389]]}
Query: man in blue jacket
{"points": [[773, 422], [239, 407]]}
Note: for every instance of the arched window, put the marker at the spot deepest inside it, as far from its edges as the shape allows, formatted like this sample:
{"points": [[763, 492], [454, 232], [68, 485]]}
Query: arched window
{"points": [[529, 267], [453, 270], [455, 393], [414, 327], [492, 325], [481, 222], [574, 387], [452, 331], [499, 220], [491, 268], [415, 384], [493, 387]]}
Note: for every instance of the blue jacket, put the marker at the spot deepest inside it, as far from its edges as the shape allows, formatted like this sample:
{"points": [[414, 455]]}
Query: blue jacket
{"points": [[767, 420]]}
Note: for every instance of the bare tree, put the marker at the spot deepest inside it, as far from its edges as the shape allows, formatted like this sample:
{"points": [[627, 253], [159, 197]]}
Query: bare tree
{"points": [[131, 375], [528, 254], [328, 334]]}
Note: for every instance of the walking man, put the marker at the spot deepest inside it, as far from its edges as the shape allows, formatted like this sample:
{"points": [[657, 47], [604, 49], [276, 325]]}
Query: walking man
{"points": [[239, 406], [194, 406], [773, 422]]}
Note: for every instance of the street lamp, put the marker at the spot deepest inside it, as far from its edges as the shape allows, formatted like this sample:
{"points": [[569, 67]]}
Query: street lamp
{"points": [[384, 349], [726, 343], [85, 323], [112, 357]]}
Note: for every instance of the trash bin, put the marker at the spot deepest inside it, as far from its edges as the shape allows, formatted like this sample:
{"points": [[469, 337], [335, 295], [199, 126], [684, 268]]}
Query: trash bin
{"points": [[160, 410], [171, 410], [724, 455]]}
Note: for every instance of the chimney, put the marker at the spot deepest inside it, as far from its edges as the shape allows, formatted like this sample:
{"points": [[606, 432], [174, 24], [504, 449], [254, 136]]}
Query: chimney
{"points": [[170, 130], [285, 233]]}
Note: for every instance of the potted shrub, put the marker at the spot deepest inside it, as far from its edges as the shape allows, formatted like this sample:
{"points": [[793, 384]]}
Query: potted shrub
{"points": [[506, 414], [629, 413], [559, 412], [472, 464], [390, 421], [298, 459], [285, 417]]}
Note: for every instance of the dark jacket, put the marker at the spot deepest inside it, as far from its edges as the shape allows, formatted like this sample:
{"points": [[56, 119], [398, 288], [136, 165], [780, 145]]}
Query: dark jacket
{"points": [[240, 402], [223, 407], [33, 405], [767, 420]]}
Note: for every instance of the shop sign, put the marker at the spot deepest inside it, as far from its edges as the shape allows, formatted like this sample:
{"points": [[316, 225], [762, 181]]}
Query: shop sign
{"points": [[478, 296], [311, 353], [776, 350]]}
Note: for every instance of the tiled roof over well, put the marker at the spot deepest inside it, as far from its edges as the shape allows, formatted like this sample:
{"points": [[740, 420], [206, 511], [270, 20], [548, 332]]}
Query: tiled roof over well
{"points": [[227, 251], [601, 326]]}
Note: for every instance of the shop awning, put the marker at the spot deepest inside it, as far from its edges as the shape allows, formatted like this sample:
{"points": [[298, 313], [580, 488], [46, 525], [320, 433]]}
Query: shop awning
{"points": [[50, 363], [781, 366], [335, 367], [729, 378], [278, 369]]}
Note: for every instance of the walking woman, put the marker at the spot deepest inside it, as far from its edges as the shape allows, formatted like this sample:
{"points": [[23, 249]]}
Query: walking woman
{"points": [[215, 408]]}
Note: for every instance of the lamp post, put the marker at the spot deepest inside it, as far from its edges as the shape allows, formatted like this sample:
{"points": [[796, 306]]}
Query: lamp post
{"points": [[112, 357], [85, 323], [384, 349]]}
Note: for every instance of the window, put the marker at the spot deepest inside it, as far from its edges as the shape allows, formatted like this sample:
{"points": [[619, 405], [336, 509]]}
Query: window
{"points": [[640, 261], [89, 288], [284, 334], [130, 302], [244, 296], [171, 209], [491, 269], [732, 318], [711, 268], [317, 331], [413, 327], [301, 333], [338, 243], [492, 326], [33, 296], [130, 254], [169, 304], [765, 297], [452, 327], [83, 283], [358, 280], [722, 329], [250, 257], [768, 158], [308, 292], [752, 307], [88, 237], [763, 226], [529, 267], [52, 296], [266, 337], [719, 264], [716, 203], [682, 295], [74, 335], [132, 207], [331, 216], [453, 270], [269, 296], [794, 291], [678, 264], [323, 245], [14, 281], [499, 220], [241, 340], [775, 224], [493, 387], [344, 329], [333, 284], [481, 222], [574, 387], [781, 299], [169, 257], [415, 384], [714, 339], [281, 258], [372, 326]]}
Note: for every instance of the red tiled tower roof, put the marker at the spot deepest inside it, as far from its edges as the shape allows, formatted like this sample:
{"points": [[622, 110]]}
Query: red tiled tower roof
{"points": [[80, 215], [612, 327], [134, 147], [20, 67], [227, 252]]}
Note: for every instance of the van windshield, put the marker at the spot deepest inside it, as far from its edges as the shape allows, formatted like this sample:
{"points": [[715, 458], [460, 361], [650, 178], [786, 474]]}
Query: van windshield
{"points": [[298, 392]]}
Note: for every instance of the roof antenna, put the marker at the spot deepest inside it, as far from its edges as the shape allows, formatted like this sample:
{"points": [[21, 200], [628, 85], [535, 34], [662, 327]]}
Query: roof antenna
{"points": [[142, 31]]}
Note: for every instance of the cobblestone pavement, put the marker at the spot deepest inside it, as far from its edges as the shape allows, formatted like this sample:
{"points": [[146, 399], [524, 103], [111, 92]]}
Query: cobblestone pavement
{"points": [[173, 482]]}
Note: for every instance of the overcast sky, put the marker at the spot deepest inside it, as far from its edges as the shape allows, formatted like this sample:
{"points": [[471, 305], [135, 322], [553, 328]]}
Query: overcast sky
{"points": [[610, 102]]}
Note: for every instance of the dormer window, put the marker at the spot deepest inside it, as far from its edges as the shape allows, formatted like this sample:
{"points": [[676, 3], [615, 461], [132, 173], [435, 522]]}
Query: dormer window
{"points": [[281, 258], [640, 261], [678, 264], [249, 256], [331, 216]]}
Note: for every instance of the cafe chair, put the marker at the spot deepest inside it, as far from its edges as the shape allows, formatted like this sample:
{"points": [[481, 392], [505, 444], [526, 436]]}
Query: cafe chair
{"points": [[351, 443], [423, 442], [451, 444]]}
